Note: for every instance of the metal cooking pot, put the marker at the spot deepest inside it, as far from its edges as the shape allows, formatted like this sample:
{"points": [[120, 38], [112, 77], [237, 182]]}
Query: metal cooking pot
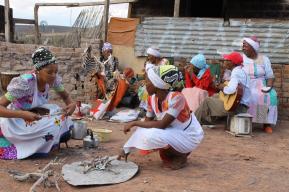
{"points": [[79, 130], [90, 141]]}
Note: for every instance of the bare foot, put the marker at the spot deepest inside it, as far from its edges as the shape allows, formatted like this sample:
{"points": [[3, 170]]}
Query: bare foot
{"points": [[178, 163]]}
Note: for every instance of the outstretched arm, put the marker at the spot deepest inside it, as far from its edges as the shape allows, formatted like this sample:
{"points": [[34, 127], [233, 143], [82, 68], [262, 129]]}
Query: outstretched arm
{"points": [[160, 124], [70, 105]]}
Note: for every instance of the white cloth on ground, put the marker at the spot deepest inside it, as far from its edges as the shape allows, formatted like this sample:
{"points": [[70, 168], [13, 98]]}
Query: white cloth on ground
{"points": [[125, 116]]}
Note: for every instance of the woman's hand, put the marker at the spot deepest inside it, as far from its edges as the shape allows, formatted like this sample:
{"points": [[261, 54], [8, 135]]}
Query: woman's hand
{"points": [[29, 116], [69, 109], [220, 86], [128, 126]]}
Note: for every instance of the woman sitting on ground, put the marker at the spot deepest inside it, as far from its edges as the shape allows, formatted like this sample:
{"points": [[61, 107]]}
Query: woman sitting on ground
{"points": [[169, 126], [24, 133], [198, 82], [107, 71]]}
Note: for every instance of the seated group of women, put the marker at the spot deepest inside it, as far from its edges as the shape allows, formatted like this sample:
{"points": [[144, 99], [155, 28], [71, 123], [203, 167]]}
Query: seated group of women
{"points": [[200, 84]]}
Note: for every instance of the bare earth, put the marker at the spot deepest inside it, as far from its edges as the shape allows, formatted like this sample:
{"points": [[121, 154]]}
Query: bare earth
{"points": [[221, 163]]}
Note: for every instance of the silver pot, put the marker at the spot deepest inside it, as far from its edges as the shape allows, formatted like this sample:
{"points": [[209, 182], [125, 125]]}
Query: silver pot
{"points": [[79, 130]]}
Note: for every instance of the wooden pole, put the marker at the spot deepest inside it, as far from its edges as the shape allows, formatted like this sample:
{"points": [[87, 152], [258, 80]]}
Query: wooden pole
{"points": [[7, 21], [37, 34], [106, 14], [225, 10], [129, 10], [87, 3], [177, 8]]}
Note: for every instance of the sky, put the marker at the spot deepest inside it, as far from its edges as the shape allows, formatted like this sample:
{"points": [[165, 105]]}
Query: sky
{"points": [[57, 15]]}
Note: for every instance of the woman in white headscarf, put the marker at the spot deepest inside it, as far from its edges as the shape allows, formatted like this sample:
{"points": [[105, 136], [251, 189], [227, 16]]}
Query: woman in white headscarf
{"points": [[264, 100], [153, 59], [107, 71], [169, 126]]}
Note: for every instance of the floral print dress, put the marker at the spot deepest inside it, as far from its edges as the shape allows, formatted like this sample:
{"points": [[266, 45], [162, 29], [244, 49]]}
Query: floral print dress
{"points": [[19, 140]]}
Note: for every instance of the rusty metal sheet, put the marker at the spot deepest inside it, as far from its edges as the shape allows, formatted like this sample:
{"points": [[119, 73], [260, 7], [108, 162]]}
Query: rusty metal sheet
{"points": [[185, 37]]}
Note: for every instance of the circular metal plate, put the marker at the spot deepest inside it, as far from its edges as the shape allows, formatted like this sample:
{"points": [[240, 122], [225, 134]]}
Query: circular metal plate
{"points": [[118, 172]]}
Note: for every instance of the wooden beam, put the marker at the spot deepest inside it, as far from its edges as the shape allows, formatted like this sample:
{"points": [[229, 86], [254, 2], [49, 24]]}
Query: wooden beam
{"points": [[129, 10], [24, 21], [7, 22], [225, 10], [37, 34], [105, 19], [177, 8], [86, 4]]}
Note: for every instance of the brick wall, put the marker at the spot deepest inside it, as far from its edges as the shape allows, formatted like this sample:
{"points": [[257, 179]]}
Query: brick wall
{"points": [[17, 57]]}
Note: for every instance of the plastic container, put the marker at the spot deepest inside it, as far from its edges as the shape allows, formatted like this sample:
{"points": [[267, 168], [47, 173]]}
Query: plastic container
{"points": [[103, 134]]}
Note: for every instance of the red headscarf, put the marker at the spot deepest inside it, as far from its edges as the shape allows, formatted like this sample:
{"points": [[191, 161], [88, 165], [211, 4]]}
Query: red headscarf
{"points": [[235, 57]]}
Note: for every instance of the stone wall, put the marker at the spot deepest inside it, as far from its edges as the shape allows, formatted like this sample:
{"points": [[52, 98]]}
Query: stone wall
{"points": [[17, 57]]}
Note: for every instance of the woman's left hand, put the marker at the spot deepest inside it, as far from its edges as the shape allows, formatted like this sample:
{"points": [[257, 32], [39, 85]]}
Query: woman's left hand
{"points": [[69, 109]]}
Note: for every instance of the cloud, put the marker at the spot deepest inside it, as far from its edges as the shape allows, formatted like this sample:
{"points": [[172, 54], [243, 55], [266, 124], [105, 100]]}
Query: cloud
{"points": [[57, 15]]}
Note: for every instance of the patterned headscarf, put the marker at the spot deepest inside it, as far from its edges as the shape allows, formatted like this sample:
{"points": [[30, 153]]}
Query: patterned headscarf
{"points": [[106, 46], [42, 57], [164, 76]]}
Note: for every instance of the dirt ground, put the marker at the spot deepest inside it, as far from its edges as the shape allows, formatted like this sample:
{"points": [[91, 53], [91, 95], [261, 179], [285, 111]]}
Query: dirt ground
{"points": [[222, 163]]}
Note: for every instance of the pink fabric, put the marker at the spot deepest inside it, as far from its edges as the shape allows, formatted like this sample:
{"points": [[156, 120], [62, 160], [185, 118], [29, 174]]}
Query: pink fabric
{"points": [[194, 96]]}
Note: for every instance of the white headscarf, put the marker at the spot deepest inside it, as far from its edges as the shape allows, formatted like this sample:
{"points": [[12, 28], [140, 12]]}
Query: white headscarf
{"points": [[106, 46], [156, 79], [254, 44], [154, 52]]}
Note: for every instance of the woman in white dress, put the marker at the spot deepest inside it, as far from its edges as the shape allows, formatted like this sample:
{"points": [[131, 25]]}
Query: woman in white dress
{"points": [[264, 101], [169, 126], [24, 133]]}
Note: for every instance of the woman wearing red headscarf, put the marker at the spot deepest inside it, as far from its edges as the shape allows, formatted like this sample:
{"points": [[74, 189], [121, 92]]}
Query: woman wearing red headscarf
{"points": [[214, 107]]}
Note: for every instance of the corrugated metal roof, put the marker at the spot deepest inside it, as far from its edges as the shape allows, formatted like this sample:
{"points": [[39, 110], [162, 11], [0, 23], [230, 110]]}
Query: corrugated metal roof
{"points": [[184, 37]]}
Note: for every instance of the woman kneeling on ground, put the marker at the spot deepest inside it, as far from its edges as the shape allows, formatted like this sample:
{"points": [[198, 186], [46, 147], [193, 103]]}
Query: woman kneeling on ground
{"points": [[24, 133], [169, 126]]}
